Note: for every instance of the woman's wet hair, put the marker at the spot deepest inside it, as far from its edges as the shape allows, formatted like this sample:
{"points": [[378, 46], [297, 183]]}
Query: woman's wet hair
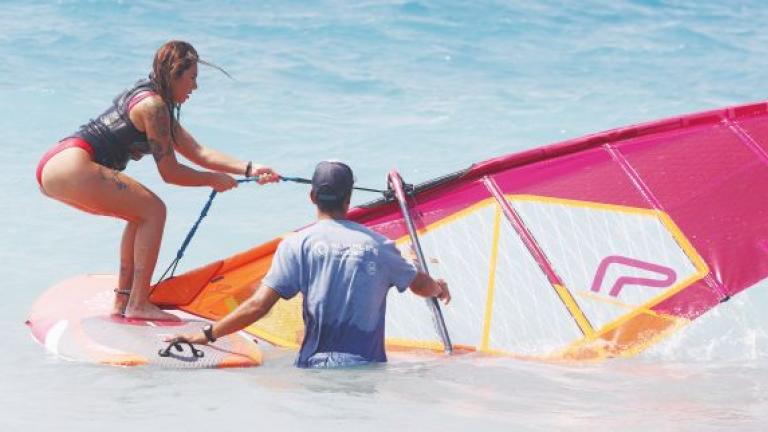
{"points": [[171, 61]]}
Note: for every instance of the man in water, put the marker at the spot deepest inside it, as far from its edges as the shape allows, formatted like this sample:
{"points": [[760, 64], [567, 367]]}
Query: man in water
{"points": [[344, 271]]}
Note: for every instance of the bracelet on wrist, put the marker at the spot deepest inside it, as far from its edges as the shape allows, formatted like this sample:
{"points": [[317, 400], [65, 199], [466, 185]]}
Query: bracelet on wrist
{"points": [[208, 332], [248, 168]]}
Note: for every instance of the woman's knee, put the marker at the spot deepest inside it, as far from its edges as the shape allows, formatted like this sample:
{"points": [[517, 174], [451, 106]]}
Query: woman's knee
{"points": [[159, 210], [154, 210]]}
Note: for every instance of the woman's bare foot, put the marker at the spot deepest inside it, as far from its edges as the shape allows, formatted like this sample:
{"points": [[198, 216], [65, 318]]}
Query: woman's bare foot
{"points": [[149, 312]]}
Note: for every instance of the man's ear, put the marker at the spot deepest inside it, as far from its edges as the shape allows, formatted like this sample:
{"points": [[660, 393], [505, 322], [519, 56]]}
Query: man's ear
{"points": [[312, 197], [347, 202]]}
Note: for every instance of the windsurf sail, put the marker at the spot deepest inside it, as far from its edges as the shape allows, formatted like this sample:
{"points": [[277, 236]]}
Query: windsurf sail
{"points": [[597, 246]]}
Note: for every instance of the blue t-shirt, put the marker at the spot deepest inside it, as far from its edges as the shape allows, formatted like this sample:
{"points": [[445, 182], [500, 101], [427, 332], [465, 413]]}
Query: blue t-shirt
{"points": [[344, 270]]}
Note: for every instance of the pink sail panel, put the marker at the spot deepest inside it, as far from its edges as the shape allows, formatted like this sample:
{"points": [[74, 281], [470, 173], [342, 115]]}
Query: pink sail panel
{"points": [[691, 191]]}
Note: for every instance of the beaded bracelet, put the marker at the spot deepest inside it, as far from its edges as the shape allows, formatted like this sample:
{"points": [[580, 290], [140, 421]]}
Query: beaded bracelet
{"points": [[248, 169]]}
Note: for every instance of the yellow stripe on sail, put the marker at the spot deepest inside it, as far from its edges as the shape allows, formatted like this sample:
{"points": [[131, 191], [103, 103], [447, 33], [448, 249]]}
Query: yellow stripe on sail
{"points": [[574, 309], [491, 281]]}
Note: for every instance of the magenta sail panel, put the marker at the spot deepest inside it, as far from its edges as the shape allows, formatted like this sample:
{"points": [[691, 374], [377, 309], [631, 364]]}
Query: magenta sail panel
{"points": [[598, 245]]}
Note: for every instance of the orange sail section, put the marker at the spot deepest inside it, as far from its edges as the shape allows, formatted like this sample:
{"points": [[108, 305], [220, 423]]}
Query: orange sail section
{"points": [[214, 290]]}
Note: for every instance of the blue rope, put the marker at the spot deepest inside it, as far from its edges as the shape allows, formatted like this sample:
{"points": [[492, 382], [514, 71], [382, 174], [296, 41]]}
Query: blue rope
{"points": [[308, 181], [296, 179], [180, 254], [185, 243]]}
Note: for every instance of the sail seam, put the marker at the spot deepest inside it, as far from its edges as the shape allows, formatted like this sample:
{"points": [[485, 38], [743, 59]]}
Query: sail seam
{"points": [[747, 139]]}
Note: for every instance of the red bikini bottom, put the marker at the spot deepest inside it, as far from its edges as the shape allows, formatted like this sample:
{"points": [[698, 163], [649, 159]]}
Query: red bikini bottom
{"points": [[60, 146]]}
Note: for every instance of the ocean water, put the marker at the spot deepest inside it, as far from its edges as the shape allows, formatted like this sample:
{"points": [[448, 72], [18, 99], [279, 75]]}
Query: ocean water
{"points": [[427, 87]]}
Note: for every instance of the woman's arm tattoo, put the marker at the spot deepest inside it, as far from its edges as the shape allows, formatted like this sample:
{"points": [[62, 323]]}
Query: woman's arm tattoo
{"points": [[158, 150], [160, 119]]}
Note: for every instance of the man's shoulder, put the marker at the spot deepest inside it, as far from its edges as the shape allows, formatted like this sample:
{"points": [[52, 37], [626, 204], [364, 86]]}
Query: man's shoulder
{"points": [[336, 226], [365, 232], [312, 232], [339, 231], [292, 240]]}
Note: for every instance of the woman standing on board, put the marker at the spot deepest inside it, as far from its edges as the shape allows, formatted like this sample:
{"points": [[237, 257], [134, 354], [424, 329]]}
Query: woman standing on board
{"points": [[84, 170]]}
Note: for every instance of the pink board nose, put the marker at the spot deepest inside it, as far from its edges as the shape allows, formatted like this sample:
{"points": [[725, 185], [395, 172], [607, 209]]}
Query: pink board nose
{"points": [[72, 320]]}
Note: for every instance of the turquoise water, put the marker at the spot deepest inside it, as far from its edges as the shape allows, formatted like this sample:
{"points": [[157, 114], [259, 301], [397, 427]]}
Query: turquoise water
{"points": [[426, 87]]}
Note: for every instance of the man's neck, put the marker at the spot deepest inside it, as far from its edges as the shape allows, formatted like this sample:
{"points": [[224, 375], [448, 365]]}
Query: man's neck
{"points": [[340, 215]]}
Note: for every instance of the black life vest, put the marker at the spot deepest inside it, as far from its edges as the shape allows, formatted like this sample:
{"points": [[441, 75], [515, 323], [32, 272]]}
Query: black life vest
{"points": [[113, 135]]}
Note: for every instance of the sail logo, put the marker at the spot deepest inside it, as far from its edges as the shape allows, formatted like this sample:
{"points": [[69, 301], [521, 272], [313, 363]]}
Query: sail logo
{"points": [[667, 276]]}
